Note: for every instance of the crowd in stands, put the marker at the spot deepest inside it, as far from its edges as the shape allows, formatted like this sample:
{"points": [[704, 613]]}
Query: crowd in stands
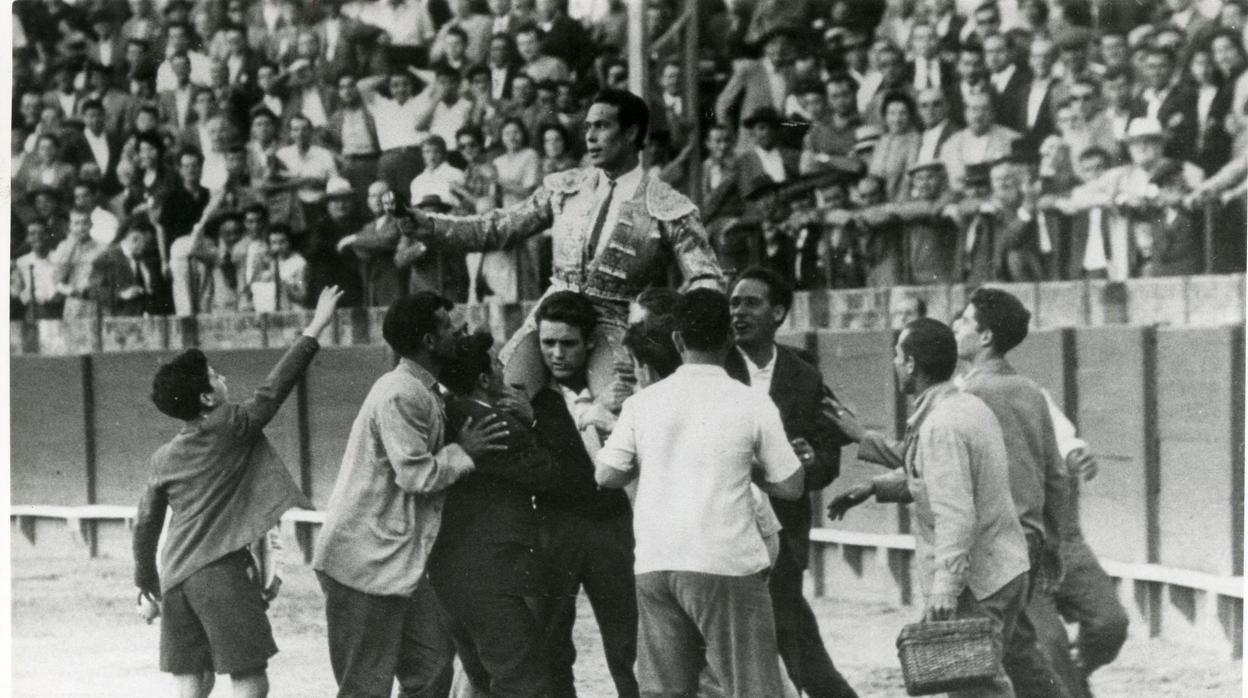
{"points": [[845, 143]]}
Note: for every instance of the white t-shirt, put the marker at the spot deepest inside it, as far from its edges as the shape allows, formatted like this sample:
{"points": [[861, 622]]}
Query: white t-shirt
{"points": [[693, 437]]}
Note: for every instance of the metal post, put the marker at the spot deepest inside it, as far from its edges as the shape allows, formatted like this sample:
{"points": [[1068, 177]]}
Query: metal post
{"points": [[1210, 220]]}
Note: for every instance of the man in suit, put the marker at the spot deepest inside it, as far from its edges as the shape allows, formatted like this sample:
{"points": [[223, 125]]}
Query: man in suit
{"points": [[982, 140], [1170, 102], [123, 280], [1041, 96], [116, 103], [671, 115], [502, 66], [586, 532], [564, 37], [765, 82], [1009, 82], [972, 79], [1001, 242], [483, 566], [947, 24], [175, 104], [759, 302], [926, 69], [937, 126]]}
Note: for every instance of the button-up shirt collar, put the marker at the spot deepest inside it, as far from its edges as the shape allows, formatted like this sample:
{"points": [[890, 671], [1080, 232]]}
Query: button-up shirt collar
{"points": [[1002, 78], [1035, 99], [760, 376], [100, 151]]}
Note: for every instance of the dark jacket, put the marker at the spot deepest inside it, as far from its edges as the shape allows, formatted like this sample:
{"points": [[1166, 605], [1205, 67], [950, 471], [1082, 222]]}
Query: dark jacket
{"points": [[1178, 117], [577, 491], [797, 390], [489, 526], [112, 273]]}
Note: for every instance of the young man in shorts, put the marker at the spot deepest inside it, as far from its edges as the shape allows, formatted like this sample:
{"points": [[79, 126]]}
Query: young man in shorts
{"points": [[227, 488]]}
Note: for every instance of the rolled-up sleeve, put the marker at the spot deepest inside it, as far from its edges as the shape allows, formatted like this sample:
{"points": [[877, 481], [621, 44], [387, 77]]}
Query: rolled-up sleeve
{"points": [[946, 471], [403, 426], [771, 445], [619, 453]]}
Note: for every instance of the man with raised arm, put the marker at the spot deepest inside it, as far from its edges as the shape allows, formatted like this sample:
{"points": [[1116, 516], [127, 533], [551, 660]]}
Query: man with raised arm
{"points": [[615, 229]]}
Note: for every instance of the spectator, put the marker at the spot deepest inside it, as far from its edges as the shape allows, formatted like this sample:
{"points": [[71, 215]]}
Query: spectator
{"points": [[476, 30], [503, 66], [32, 278], [408, 25], [102, 146], [432, 269], [401, 120], [719, 165], [508, 18], [308, 166], [1118, 89], [1213, 144], [1041, 97], [1228, 56], [374, 246], [72, 261], [307, 96], [480, 178], [668, 106], [124, 280], [913, 238], [890, 66], [512, 274], [972, 79], [45, 168], [757, 84], [326, 265], [281, 282], [563, 37], [926, 68], [534, 61], [451, 110], [981, 141], [439, 177], [178, 48], [1089, 126], [557, 154], [103, 223], [1009, 83], [1172, 104], [937, 127], [896, 148], [831, 128], [353, 134], [182, 204]]}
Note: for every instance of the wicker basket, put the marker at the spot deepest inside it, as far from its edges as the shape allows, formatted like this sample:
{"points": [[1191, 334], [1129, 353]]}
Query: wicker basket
{"points": [[947, 655]]}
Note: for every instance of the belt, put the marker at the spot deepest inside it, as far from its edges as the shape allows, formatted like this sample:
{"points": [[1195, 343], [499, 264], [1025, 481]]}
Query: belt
{"points": [[400, 149], [360, 156]]}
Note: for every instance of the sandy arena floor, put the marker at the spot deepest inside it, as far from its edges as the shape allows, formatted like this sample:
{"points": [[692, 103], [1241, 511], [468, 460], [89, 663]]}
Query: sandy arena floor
{"points": [[75, 633]]}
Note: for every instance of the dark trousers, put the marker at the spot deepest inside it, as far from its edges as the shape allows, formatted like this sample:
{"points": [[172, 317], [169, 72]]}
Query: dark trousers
{"points": [[361, 172], [398, 167], [1088, 598], [797, 632], [375, 639], [596, 553], [1031, 669], [1004, 607], [498, 638]]}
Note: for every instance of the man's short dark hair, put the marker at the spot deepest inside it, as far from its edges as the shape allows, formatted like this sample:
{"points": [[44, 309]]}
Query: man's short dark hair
{"points": [[257, 208], [191, 151], [631, 111], [476, 70], [1116, 73], [658, 300], [1002, 313], [779, 291], [280, 229], [650, 343], [151, 139], [410, 318], [457, 31], [845, 78], [91, 104], [472, 132], [179, 383], [932, 346], [703, 320], [472, 358], [570, 308]]}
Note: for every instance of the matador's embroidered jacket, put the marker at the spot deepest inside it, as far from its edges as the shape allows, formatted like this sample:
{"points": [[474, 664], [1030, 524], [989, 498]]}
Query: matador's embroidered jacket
{"points": [[658, 224]]}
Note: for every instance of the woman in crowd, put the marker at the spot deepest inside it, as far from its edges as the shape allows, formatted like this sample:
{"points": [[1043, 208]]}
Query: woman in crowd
{"points": [[512, 274], [895, 150], [1213, 144], [557, 153]]}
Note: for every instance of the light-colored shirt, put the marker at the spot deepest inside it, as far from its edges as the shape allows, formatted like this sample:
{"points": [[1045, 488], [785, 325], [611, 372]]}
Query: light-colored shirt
{"points": [[386, 506], [498, 82], [625, 188], [100, 151], [760, 376], [396, 123], [317, 163], [1153, 100], [437, 181], [1204, 100], [73, 260], [103, 226], [201, 72], [356, 137], [693, 439], [926, 73], [955, 469], [1035, 99], [929, 145], [31, 268], [291, 273], [313, 107], [408, 22], [448, 119], [1001, 79], [773, 163], [777, 83]]}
